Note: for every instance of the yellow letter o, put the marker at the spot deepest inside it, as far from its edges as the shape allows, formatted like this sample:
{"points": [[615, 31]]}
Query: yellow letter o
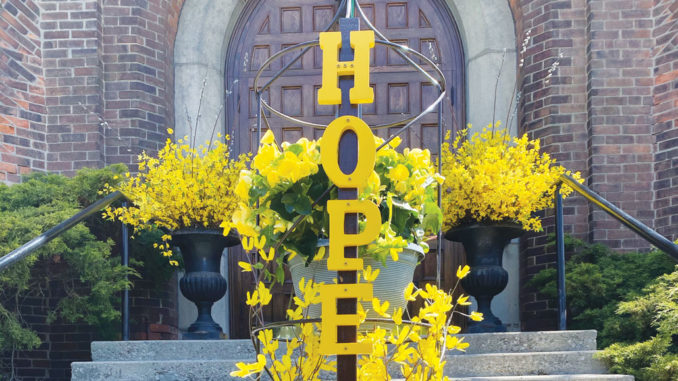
{"points": [[329, 152]]}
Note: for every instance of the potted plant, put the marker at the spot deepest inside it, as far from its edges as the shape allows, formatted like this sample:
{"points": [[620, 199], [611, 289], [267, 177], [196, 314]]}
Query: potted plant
{"points": [[288, 183], [188, 192], [494, 184]]}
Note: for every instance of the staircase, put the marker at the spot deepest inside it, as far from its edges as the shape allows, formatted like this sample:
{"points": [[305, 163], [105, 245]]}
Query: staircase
{"points": [[525, 356]]}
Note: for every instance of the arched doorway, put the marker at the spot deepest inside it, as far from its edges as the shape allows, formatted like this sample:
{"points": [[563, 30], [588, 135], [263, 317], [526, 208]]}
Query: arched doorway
{"points": [[266, 26]]}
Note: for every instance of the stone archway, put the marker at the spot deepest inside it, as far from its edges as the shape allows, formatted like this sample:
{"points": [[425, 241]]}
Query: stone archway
{"points": [[487, 33]]}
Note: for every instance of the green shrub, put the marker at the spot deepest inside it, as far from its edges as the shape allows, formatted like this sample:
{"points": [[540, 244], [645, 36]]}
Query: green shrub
{"points": [[597, 279], [655, 359], [80, 263]]}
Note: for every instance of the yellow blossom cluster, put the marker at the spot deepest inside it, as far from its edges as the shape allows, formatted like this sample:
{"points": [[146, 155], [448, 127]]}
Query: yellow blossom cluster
{"points": [[182, 188], [418, 347], [492, 177], [286, 180]]}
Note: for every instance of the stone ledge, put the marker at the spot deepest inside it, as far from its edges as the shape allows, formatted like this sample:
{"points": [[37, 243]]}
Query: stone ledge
{"points": [[523, 364]]}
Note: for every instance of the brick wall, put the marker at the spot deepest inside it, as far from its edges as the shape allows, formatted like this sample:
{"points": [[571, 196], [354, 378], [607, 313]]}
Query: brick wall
{"points": [[22, 90], [619, 124], [610, 112], [665, 101], [553, 109], [73, 80], [85, 83]]}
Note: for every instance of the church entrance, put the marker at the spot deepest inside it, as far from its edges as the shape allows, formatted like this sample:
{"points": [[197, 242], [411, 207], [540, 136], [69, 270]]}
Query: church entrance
{"points": [[267, 26]]}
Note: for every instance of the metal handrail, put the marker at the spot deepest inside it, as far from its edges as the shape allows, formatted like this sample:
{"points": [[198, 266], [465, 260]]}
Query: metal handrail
{"points": [[52, 233], [44, 238], [651, 236]]}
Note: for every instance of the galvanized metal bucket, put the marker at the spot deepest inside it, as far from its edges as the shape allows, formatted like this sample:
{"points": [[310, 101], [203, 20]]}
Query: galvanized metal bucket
{"points": [[389, 286]]}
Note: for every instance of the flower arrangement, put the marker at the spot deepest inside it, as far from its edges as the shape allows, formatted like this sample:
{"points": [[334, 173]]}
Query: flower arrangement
{"points": [[417, 347], [492, 177], [183, 188], [286, 181]]}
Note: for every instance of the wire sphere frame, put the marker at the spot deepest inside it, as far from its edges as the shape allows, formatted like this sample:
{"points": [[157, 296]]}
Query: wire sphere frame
{"points": [[292, 323], [440, 84]]}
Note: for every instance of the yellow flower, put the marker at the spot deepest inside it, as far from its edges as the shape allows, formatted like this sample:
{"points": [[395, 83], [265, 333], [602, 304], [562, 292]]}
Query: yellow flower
{"points": [[399, 173], [463, 300], [381, 308], [370, 275], [246, 267], [409, 295], [476, 316], [462, 272]]}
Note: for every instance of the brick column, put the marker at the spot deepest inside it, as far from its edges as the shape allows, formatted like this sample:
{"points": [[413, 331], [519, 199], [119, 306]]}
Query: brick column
{"points": [[665, 100], [553, 110], [72, 62], [620, 139], [22, 101]]}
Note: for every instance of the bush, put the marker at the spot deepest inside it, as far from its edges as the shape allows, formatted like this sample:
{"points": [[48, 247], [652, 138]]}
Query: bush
{"points": [[655, 359], [79, 264], [597, 279]]}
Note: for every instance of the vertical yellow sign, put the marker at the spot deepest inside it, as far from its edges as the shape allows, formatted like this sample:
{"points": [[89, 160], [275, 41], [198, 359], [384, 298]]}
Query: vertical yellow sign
{"points": [[330, 94]]}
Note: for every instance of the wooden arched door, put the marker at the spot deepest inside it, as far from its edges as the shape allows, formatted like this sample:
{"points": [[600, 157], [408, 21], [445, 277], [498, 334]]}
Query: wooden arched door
{"points": [[267, 26]]}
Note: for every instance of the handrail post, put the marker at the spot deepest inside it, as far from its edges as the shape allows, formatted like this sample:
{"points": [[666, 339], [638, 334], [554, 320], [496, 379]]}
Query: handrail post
{"points": [[125, 292], [560, 248]]}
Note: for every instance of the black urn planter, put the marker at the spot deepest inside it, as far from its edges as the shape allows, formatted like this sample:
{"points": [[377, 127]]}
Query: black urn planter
{"points": [[203, 283], [484, 245]]}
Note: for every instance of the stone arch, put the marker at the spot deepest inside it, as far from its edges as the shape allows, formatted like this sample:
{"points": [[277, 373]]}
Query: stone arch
{"points": [[205, 28]]}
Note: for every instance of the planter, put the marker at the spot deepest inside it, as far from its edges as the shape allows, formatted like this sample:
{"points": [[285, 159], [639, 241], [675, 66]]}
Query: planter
{"points": [[484, 245], [390, 284], [203, 283]]}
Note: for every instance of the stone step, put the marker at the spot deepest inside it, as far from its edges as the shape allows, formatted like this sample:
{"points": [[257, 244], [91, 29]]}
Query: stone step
{"points": [[168, 350], [214, 370], [471, 367], [165, 350], [546, 341], [523, 364], [560, 377]]}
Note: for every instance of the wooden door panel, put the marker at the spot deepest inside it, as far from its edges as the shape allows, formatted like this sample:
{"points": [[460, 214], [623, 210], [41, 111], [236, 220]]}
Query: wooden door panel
{"points": [[268, 26]]}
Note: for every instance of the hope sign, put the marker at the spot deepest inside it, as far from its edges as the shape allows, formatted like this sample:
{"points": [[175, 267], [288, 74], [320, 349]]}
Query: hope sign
{"points": [[330, 94]]}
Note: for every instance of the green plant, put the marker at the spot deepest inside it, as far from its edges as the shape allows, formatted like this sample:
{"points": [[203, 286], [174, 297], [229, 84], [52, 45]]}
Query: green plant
{"points": [[284, 183], [656, 358], [597, 279], [77, 267]]}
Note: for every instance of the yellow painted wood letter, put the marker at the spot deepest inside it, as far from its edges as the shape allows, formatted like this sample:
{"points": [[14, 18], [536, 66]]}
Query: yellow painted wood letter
{"points": [[359, 68], [331, 320], [337, 210], [329, 152]]}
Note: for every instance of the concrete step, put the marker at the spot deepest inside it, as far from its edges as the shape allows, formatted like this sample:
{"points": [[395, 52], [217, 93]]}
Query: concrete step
{"points": [[560, 377], [168, 350], [216, 370], [523, 364], [164, 350], [546, 341]]}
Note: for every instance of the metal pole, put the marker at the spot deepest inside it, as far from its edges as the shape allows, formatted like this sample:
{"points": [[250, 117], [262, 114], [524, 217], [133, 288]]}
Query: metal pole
{"points": [[439, 252], [560, 247], [348, 159], [125, 293]]}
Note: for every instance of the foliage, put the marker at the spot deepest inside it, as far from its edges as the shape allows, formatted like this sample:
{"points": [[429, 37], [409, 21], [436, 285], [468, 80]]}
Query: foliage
{"points": [[493, 177], [284, 183], [417, 348], [655, 358], [597, 279], [183, 188], [77, 264]]}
